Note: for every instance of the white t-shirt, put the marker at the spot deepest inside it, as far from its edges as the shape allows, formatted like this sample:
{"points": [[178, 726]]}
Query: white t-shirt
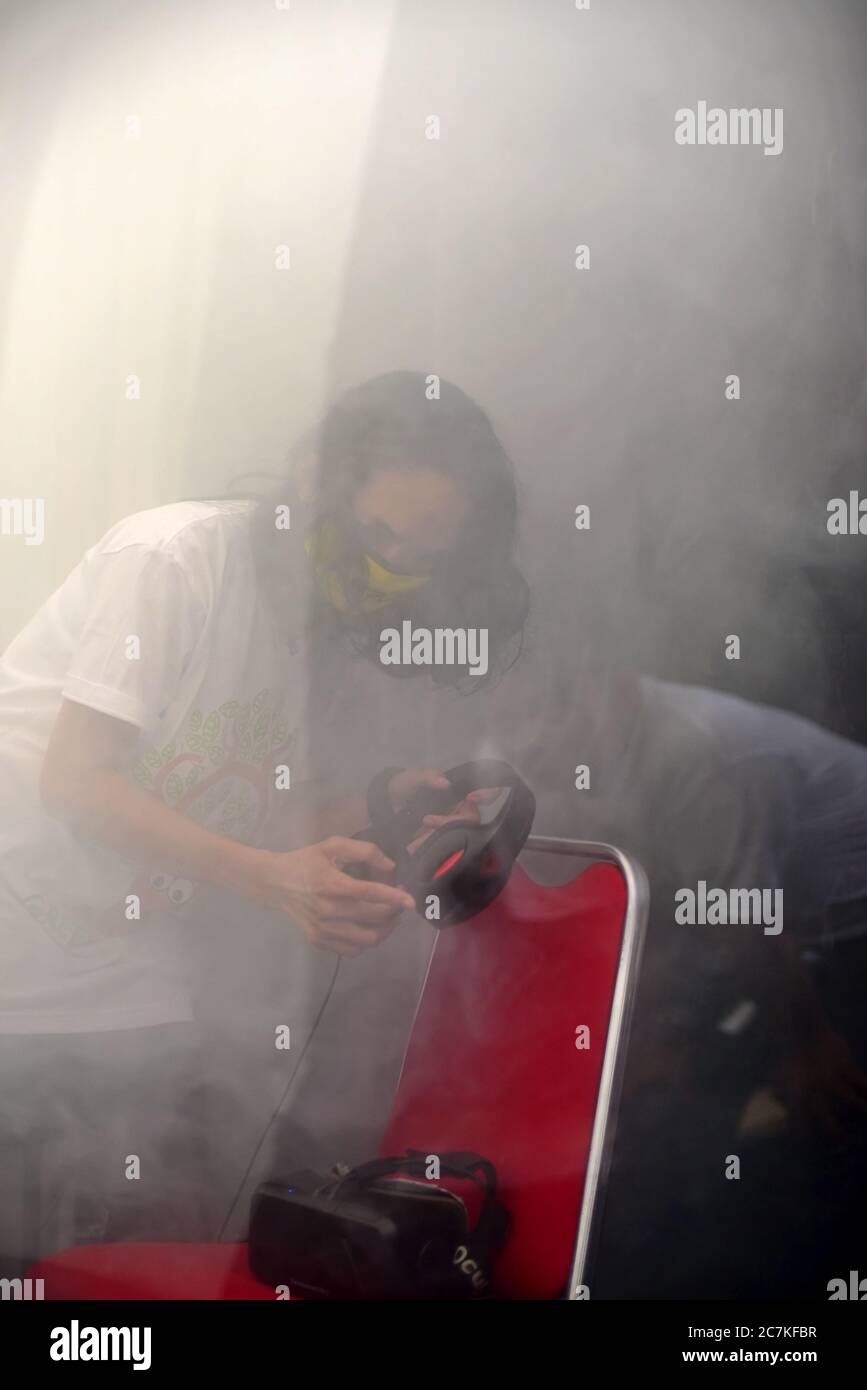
{"points": [[163, 625]]}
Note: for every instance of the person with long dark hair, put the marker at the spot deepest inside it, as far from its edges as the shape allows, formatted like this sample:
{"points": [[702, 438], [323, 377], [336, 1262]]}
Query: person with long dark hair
{"points": [[154, 717]]}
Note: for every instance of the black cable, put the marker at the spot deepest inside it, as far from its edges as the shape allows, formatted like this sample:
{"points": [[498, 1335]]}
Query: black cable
{"points": [[288, 1087]]}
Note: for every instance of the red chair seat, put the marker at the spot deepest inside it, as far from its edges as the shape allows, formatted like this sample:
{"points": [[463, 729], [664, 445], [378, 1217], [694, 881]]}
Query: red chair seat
{"points": [[150, 1271], [492, 1065]]}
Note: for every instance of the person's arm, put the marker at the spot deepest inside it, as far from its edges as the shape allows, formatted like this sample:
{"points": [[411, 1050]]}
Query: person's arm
{"points": [[83, 783]]}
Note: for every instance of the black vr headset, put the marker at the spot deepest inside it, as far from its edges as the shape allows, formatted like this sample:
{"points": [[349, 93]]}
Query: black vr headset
{"points": [[369, 1235], [464, 864]]}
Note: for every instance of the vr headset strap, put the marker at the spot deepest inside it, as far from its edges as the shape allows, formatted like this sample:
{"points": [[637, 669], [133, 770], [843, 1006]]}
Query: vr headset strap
{"points": [[493, 1222], [455, 1164]]}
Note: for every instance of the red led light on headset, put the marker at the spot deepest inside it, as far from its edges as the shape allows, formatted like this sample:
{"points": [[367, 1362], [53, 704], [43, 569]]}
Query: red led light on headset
{"points": [[448, 863]]}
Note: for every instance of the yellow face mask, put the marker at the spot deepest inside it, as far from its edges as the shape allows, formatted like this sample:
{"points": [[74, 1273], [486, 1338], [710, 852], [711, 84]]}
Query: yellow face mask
{"points": [[381, 584]]}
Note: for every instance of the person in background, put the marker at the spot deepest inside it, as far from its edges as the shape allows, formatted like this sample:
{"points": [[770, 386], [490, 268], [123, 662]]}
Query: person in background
{"points": [[742, 1042]]}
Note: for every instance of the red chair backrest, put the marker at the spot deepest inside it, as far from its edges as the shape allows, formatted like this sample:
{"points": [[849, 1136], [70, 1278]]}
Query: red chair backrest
{"points": [[492, 1063]]}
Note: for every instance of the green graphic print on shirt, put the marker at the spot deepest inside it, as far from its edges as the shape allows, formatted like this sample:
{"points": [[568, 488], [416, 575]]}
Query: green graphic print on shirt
{"points": [[219, 771]]}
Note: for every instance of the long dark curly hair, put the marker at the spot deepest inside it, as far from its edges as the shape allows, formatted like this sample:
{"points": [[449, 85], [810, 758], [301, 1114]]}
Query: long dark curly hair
{"points": [[389, 422]]}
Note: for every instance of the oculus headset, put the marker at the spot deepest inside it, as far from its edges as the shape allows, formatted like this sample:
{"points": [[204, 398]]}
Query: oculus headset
{"points": [[366, 1234], [466, 863]]}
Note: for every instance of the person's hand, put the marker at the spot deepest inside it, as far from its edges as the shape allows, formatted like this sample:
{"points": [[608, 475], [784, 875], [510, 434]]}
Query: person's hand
{"points": [[406, 783], [335, 911], [403, 785], [467, 809]]}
